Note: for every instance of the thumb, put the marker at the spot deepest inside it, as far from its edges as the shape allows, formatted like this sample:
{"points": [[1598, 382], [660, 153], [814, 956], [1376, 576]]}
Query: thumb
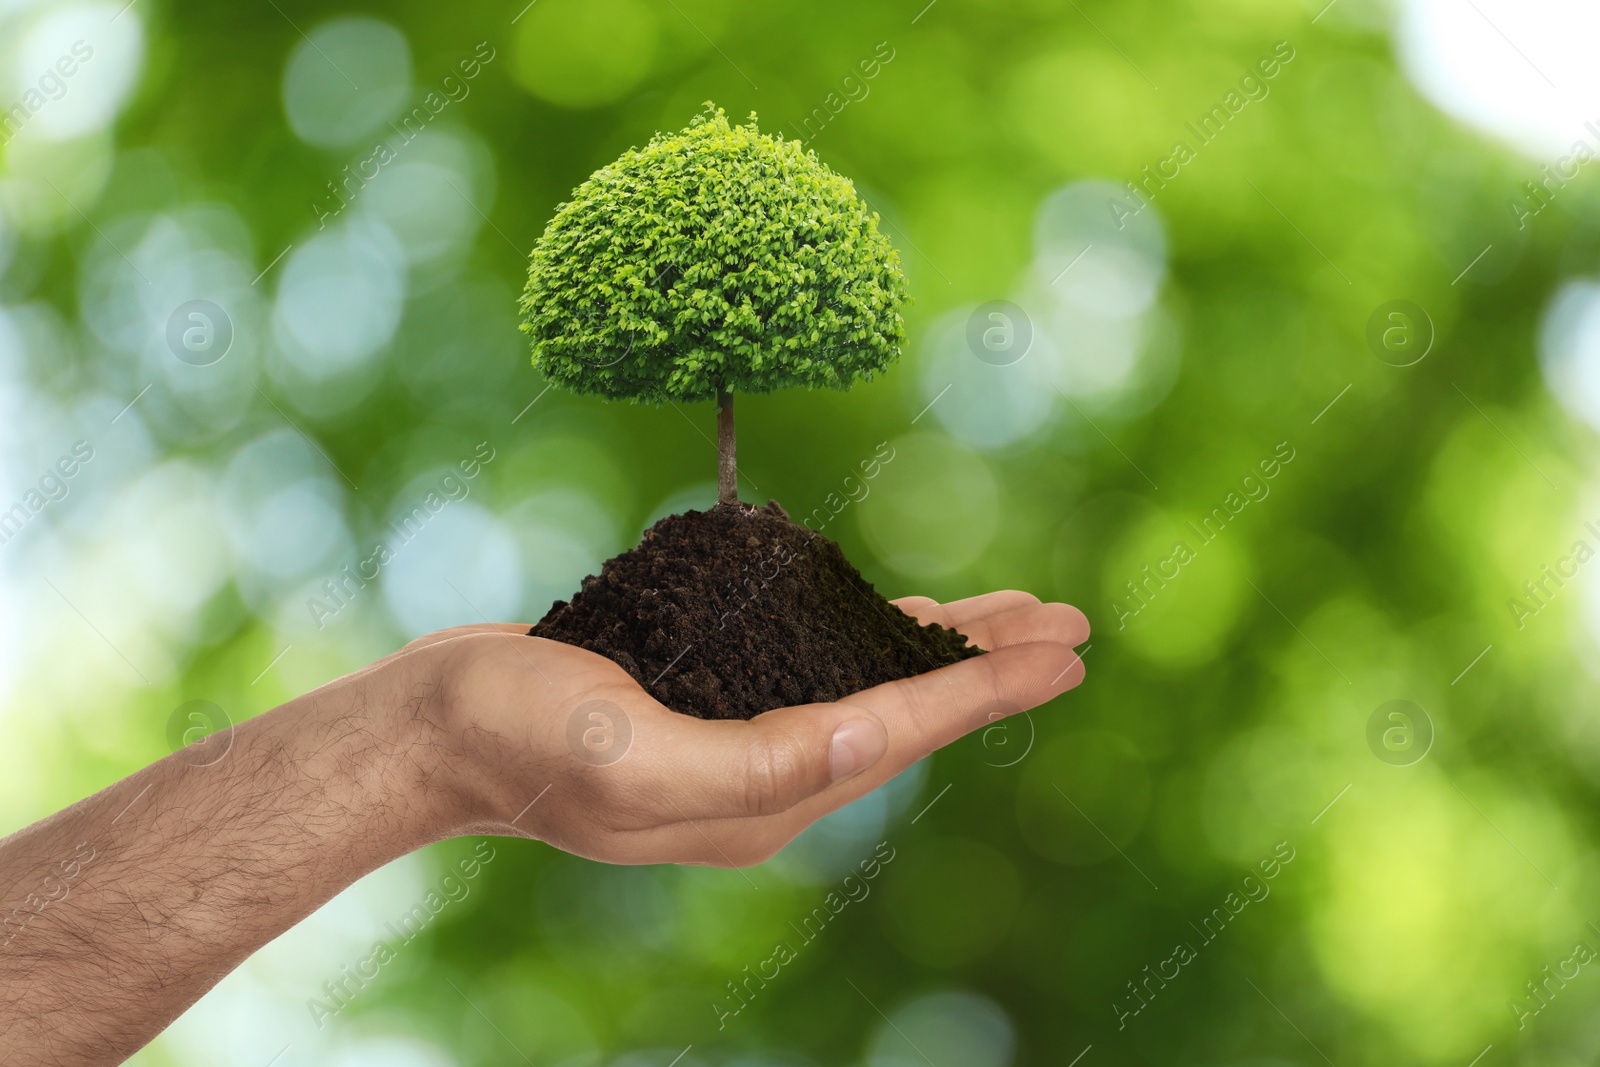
{"points": [[777, 760]]}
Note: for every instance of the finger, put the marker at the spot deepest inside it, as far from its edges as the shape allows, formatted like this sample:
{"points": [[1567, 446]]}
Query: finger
{"points": [[932, 710], [958, 612], [818, 757], [921, 714], [1059, 623], [685, 768], [915, 606]]}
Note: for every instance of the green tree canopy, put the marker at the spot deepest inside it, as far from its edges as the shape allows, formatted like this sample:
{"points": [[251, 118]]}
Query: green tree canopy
{"points": [[715, 259]]}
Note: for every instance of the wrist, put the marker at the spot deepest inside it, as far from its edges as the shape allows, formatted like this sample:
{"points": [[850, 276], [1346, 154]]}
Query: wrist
{"points": [[487, 737], [379, 743]]}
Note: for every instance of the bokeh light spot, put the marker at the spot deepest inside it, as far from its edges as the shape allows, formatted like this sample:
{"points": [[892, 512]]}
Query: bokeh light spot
{"points": [[345, 80], [583, 53], [934, 507]]}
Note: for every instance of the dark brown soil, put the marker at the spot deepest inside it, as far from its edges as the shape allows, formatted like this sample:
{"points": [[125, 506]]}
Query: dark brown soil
{"points": [[734, 611]]}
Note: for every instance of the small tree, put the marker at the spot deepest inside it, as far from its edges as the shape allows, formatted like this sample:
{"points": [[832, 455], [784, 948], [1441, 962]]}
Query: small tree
{"points": [[712, 261]]}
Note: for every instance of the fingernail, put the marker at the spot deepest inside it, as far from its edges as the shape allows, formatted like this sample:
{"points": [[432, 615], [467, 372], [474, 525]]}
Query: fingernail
{"points": [[857, 745]]}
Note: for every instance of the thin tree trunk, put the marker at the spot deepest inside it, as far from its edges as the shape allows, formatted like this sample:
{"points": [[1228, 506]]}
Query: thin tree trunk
{"points": [[727, 463]]}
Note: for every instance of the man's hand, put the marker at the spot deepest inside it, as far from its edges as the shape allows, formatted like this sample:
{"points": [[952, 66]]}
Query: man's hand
{"points": [[633, 782], [472, 730]]}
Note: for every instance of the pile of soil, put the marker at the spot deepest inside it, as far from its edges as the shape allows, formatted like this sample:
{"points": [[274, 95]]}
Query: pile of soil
{"points": [[734, 611]]}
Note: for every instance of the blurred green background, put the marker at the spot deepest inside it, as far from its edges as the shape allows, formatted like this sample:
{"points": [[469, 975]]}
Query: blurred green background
{"points": [[1150, 367]]}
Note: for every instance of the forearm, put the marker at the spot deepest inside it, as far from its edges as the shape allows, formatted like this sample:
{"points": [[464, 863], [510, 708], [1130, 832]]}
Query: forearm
{"points": [[135, 901]]}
